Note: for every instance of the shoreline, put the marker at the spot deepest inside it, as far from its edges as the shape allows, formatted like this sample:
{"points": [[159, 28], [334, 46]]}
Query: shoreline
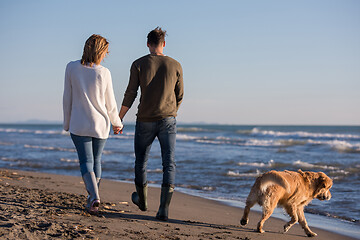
{"points": [[46, 206]]}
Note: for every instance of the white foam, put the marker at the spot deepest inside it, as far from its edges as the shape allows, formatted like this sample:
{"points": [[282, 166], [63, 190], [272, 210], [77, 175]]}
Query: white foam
{"points": [[339, 172], [39, 147], [50, 148], [47, 132], [264, 143], [8, 159], [268, 164], [208, 188], [252, 142], [339, 145], [157, 170], [305, 134], [191, 129], [255, 130], [209, 141], [185, 137], [343, 146], [238, 174], [301, 164], [13, 130], [69, 160]]}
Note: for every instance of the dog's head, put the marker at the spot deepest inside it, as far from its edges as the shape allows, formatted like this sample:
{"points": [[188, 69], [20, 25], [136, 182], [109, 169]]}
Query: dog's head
{"points": [[322, 184]]}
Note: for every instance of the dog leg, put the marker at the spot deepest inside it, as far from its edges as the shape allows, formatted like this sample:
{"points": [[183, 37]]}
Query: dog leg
{"points": [[245, 218], [294, 218], [250, 202], [304, 224], [267, 211]]}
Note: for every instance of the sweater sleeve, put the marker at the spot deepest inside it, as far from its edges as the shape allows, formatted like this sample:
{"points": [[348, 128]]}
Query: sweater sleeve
{"points": [[110, 103], [179, 88], [67, 99], [132, 88]]}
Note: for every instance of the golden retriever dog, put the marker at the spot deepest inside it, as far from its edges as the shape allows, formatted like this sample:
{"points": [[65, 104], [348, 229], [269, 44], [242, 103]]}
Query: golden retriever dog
{"points": [[291, 190]]}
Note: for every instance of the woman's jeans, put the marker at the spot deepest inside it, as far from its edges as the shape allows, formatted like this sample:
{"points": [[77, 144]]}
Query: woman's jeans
{"points": [[89, 151], [145, 133]]}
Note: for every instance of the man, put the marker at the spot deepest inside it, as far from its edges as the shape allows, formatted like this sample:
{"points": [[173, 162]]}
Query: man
{"points": [[161, 83]]}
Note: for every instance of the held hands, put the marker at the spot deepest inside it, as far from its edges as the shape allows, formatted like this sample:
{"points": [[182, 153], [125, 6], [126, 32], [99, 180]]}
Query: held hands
{"points": [[117, 130]]}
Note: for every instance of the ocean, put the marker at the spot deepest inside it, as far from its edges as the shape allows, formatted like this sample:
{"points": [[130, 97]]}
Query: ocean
{"points": [[220, 162]]}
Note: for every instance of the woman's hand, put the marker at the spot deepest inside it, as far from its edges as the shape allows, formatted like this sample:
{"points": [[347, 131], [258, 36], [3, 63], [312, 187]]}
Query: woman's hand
{"points": [[117, 129]]}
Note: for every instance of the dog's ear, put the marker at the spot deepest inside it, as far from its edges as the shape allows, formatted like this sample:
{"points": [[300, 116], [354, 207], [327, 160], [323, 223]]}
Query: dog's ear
{"points": [[320, 182], [304, 175]]}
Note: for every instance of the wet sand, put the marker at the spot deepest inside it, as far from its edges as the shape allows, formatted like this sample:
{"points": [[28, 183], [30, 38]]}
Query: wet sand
{"points": [[49, 206]]}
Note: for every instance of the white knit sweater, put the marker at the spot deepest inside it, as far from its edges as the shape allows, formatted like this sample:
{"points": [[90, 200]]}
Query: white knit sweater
{"points": [[88, 102]]}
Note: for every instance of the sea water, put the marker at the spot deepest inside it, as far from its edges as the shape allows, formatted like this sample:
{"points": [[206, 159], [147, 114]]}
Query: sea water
{"points": [[213, 161]]}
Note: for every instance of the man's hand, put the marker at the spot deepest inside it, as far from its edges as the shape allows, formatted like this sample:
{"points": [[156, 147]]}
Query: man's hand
{"points": [[123, 111]]}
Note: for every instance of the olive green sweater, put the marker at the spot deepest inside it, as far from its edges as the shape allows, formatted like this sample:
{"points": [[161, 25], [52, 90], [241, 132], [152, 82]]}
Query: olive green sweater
{"points": [[161, 83]]}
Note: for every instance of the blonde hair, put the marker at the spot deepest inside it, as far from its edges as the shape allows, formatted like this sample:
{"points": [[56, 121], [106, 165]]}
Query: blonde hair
{"points": [[95, 47]]}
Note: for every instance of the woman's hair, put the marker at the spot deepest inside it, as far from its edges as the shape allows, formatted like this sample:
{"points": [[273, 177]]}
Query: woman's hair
{"points": [[95, 47], [156, 36]]}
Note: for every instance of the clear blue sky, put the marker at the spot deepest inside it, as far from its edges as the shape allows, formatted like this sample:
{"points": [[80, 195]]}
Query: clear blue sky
{"points": [[244, 62]]}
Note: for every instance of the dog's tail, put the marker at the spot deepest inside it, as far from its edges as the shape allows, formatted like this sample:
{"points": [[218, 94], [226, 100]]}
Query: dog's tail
{"points": [[271, 178]]}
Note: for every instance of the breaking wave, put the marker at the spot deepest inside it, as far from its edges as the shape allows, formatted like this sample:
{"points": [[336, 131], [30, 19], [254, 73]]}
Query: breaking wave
{"points": [[67, 160], [240, 174], [185, 137], [59, 149], [50, 148], [158, 170], [38, 132], [269, 164], [305, 165], [303, 134], [335, 172]]}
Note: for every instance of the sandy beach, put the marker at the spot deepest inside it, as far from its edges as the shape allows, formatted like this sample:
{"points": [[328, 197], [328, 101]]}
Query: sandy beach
{"points": [[48, 206]]}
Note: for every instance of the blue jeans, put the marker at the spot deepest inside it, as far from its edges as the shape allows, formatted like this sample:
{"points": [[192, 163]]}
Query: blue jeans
{"points": [[89, 151], [145, 133]]}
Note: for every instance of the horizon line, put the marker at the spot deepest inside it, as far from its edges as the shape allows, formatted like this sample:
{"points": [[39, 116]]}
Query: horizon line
{"points": [[48, 122]]}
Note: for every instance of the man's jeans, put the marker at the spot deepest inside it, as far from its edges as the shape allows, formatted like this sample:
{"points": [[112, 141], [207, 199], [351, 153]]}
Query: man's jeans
{"points": [[145, 133], [89, 151]]}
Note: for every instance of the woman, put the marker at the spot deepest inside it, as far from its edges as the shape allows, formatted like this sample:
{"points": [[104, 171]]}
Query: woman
{"points": [[89, 107]]}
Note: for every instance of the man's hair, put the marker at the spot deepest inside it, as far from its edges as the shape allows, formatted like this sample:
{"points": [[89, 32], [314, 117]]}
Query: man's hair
{"points": [[156, 36], [94, 48]]}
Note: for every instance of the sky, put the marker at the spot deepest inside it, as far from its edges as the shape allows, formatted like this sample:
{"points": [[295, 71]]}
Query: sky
{"points": [[254, 62]]}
